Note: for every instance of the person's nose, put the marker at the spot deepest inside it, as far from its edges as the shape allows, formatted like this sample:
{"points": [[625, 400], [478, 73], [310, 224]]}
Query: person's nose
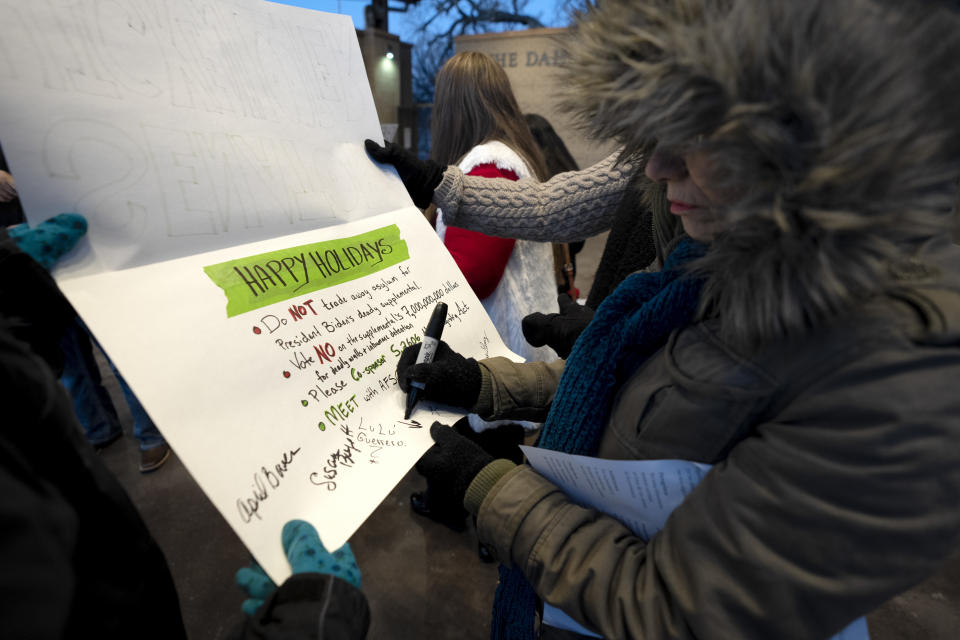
{"points": [[665, 165]]}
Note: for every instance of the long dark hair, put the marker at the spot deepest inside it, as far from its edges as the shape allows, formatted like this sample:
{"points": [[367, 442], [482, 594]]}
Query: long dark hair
{"points": [[473, 103], [555, 153]]}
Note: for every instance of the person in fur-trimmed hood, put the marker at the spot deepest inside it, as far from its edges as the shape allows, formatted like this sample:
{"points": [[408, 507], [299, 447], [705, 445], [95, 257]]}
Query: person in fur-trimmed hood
{"points": [[803, 337]]}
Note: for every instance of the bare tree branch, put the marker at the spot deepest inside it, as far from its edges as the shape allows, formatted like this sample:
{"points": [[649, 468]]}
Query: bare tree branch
{"points": [[440, 21], [476, 14]]}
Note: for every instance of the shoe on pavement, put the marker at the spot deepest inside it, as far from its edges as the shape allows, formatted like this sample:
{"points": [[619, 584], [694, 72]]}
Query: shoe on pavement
{"points": [[153, 459], [100, 446]]}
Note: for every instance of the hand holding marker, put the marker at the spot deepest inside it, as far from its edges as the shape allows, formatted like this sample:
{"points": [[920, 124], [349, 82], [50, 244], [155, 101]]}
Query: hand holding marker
{"points": [[430, 341]]}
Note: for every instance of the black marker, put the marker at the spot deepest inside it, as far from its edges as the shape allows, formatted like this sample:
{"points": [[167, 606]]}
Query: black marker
{"points": [[430, 341]]}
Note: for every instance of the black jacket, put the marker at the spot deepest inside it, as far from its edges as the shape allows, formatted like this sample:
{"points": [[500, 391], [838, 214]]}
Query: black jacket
{"points": [[77, 559], [35, 309], [310, 606]]}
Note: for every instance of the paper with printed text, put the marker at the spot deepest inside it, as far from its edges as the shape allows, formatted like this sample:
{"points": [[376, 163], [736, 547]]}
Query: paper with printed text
{"points": [[639, 493]]}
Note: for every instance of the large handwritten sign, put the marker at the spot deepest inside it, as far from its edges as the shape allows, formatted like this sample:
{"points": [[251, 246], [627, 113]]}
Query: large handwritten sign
{"points": [[249, 270], [183, 126], [287, 409]]}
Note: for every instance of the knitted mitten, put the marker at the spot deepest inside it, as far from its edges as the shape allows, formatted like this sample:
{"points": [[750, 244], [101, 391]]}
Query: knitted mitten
{"points": [[307, 554], [256, 584], [51, 239]]}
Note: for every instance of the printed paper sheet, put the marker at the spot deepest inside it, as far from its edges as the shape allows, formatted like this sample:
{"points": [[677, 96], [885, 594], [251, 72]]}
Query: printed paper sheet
{"points": [[639, 493]]}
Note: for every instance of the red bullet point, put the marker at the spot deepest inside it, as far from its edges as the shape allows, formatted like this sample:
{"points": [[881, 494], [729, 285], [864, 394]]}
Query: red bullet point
{"points": [[256, 330], [286, 374]]}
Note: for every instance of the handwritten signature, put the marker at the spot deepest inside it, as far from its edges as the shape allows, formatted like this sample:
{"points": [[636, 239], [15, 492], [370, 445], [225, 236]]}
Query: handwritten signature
{"points": [[341, 458], [263, 481]]}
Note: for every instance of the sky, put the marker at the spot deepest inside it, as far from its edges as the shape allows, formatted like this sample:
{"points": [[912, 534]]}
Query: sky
{"points": [[403, 24]]}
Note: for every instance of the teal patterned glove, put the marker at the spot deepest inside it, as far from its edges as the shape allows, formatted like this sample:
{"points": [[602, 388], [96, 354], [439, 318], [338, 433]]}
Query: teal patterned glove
{"points": [[306, 554], [257, 585], [50, 239]]}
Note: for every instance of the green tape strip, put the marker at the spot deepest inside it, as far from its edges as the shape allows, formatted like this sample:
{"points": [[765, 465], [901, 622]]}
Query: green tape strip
{"points": [[266, 278]]}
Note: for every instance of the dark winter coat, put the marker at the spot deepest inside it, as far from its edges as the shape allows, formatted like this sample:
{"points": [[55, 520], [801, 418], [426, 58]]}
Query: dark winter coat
{"points": [[820, 376], [78, 561]]}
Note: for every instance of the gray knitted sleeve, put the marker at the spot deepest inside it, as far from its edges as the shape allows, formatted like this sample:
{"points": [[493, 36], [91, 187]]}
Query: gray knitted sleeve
{"points": [[569, 207]]}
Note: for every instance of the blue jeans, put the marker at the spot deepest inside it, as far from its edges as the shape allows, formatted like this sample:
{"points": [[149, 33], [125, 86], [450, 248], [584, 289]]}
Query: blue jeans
{"points": [[91, 402]]}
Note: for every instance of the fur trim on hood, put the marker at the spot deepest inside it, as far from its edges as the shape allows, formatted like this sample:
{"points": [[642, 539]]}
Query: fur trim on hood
{"points": [[834, 121]]}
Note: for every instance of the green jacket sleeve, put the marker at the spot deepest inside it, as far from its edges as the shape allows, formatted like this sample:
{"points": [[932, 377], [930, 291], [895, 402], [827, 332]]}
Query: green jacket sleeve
{"points": [[826, 511], [517, 390]]}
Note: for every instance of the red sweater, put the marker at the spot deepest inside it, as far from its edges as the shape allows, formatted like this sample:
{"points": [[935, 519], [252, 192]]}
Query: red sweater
{"points": [[481, 258]]}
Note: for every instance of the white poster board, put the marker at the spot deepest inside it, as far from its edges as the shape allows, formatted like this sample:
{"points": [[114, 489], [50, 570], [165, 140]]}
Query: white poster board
{"points": [[290, 409], [249, 270], [183, 126]]}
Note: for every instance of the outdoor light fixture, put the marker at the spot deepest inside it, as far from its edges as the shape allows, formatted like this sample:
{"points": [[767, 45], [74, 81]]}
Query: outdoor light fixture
{"points": [[389, 54]]}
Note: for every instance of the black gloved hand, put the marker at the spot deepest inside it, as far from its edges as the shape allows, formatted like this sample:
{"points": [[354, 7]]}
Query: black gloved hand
{"points": [[420, 177], [438, 502], [558, 330], [450, 378], [501, 442], [451, 464]]}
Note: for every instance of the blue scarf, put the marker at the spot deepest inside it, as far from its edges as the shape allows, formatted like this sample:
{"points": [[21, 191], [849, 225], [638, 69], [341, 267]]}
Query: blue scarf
{"points": [[631, 324]]}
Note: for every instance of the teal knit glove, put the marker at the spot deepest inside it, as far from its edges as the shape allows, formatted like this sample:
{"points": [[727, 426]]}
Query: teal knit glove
{"points": [[256, 584], [306, 554], [51, 239]]}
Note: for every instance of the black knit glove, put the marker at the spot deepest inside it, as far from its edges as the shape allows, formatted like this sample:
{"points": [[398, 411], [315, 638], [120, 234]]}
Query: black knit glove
{"points": [[501, 442], [558, 330], [450, 378], [437, 502], [420, 177], [451, 464]]}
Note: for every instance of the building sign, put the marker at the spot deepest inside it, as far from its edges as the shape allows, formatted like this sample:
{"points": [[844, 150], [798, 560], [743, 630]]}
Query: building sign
{"points": [[532, 59]]}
